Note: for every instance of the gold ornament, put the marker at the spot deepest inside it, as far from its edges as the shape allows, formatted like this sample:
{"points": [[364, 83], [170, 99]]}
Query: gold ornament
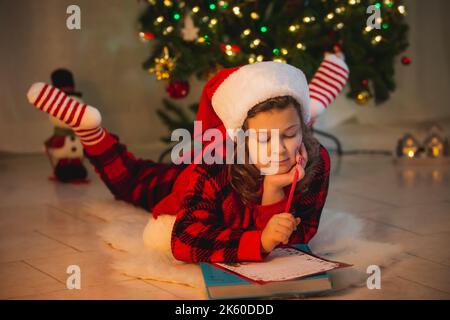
{"points": [[163, 66], [363, 97]]}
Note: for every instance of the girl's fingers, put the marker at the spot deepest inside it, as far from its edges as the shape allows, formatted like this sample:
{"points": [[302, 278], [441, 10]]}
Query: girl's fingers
{"points": [[289, 224], [288, 221], [283, 229], [277, 236], [281, 237]]}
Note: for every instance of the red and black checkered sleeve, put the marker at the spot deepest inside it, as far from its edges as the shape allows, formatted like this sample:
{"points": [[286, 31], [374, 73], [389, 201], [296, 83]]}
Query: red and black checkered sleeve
{"points": [[311, 203], [199, 233], [140, 182]]}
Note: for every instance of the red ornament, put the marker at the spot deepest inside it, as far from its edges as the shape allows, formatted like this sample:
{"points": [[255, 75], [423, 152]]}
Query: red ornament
{"points": [[177, 89], [365, 82], [234, 48], [146, 35], [406, 60]]}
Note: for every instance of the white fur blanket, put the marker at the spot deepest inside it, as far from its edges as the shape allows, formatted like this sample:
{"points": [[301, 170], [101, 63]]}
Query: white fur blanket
{"points": [[143, 245]]}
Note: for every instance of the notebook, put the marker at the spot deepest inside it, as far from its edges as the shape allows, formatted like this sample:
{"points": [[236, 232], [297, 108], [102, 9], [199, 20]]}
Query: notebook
{"points": [[286, 271]]}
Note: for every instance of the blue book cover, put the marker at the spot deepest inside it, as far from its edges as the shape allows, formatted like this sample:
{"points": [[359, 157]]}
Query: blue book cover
{"points": [[221, 284]]}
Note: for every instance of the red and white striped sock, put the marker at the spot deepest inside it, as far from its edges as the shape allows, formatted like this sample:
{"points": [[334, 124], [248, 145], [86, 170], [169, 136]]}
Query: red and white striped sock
{"points": [[327, 83], [85, 120]]}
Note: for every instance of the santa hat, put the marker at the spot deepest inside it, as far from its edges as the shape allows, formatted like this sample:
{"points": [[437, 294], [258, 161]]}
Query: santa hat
{"points": [[232, 92]]}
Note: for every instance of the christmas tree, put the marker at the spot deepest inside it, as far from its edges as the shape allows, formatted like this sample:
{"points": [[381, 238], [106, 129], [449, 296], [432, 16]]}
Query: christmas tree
{"points": [[201, 37]]}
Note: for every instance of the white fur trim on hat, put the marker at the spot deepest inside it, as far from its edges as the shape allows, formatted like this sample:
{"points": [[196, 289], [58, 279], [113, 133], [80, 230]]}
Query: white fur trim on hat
{"points": [[255, 83]]}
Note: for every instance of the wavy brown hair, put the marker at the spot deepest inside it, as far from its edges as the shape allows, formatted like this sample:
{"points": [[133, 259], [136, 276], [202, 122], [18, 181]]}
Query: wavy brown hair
{"points": [[246, 179]]}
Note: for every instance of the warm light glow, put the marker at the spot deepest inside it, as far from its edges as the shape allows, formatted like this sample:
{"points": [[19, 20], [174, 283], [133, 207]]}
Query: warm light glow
{"points": [[195, 9], [237, 11], [254, 15]]}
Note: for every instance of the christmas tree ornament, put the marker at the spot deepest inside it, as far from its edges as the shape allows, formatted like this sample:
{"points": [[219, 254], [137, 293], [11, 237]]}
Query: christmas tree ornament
{"points": [[229, 49], [64, 148], [363, 97], [163, 66], [408, 146], [436, 144], [177, 89], [146, 36], [406, 61], [189, 32]]}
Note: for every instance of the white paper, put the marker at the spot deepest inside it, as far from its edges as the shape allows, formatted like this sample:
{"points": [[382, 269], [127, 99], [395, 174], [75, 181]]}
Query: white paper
{"points": [[281, 264]]}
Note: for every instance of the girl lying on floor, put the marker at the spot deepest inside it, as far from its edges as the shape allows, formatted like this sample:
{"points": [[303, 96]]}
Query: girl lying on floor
{"points": [[225, 212]]}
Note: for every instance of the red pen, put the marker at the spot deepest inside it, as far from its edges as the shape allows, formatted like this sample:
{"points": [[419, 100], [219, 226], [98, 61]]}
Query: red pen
{"points": [[294, 183]]}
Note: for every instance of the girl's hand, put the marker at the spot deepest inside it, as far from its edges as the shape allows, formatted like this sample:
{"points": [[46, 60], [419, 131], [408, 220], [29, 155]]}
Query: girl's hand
{"points": [[277, 182], [278, 230]]}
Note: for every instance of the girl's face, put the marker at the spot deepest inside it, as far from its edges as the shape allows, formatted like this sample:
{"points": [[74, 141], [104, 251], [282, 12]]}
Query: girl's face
{"points": [[275, 151]]}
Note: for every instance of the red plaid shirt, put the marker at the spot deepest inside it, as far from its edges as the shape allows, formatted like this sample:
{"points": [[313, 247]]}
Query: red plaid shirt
{"points": [[212, 224]]}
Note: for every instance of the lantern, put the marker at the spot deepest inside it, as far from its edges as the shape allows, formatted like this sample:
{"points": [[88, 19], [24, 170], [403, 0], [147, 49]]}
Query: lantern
{"points": [[408, 147]]}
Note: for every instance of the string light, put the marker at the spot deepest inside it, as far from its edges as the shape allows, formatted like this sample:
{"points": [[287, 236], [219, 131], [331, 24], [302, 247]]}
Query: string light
{"points": [[301, 46], [246, 32], [167, 3], [329, 16], [368, 29], [377, 39], [223, 4], [308, 19], [401, 9], [236, 11], [254, 15], [213, 22], [195, 9], [255, 43], [169, 29], [260, 58]]}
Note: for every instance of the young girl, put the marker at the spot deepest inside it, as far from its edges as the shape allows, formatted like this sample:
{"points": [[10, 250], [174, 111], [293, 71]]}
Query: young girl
{"points": [[225, 212]]}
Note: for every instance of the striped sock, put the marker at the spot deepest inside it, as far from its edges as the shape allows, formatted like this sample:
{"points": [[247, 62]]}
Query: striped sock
{"points": [[326, 84], [83, 119]]}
